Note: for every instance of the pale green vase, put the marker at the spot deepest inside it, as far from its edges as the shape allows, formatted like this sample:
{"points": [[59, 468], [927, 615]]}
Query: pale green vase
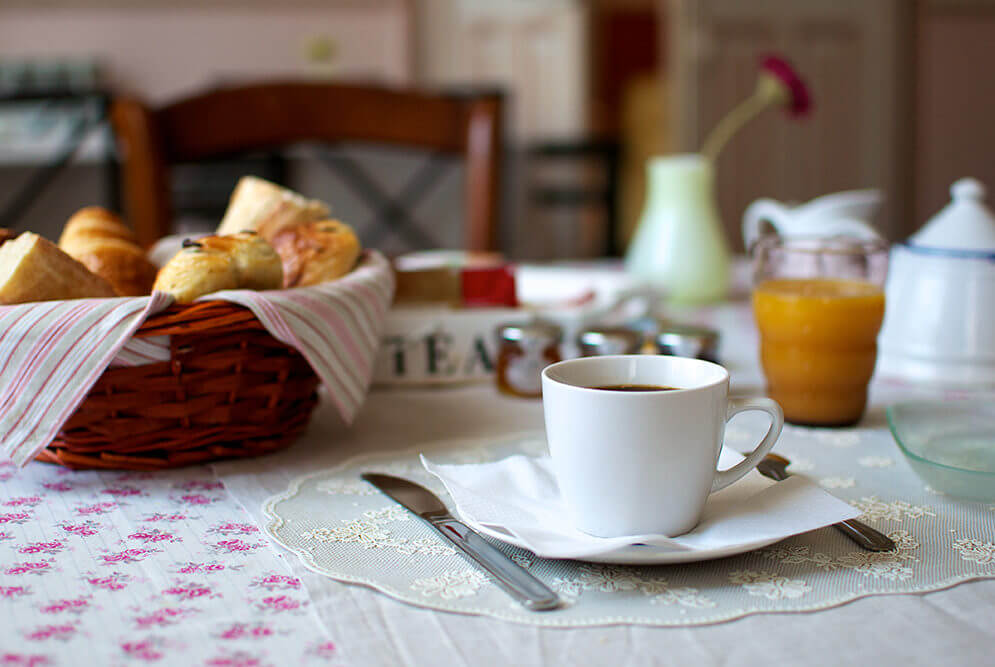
{"points": [[679, 244]]}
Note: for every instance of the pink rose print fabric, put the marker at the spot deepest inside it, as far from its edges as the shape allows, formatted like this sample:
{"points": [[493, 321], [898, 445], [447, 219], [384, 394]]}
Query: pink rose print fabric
{"points": [[143, 569]]}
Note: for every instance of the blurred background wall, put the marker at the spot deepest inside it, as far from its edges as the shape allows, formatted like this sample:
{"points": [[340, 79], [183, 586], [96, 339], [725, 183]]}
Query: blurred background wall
{"points": [[903, 89]]}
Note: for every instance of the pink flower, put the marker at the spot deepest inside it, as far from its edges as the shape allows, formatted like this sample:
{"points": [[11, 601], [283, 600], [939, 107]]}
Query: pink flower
{"points": [[279, 603], [245, 631], [239, 659], [275, 581], [201, 485], [144, 650], [97, 508], [231, 527], [777, 85], [60, 632], [23, 500], [323, 650], [84, 529], [14, 517], [76, 606], [38, 567], [127, 556], [235, 546], [193, 568], [22, 660], [123, 491], [164, 616], [799, 101], [58, 486], [115, 581], [197, 499], [10, 592], [53, 547], [189, 591], [165, 517], [153, 536], [135, 475]]}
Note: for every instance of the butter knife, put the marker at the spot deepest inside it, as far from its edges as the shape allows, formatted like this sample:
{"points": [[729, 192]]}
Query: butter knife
{"points": [[507, 574], [776, 468]]}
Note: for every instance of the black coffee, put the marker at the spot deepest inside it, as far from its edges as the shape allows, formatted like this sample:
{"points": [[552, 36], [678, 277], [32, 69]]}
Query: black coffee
{"points": [[634, 387]]}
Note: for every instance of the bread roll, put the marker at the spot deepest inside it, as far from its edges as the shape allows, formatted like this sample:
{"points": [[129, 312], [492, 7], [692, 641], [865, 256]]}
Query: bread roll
{"points": [[105, 245], [316, 252], [257, 264], [6, 235], [257, 205], [213, 263], [195, 271], [34, 269]]}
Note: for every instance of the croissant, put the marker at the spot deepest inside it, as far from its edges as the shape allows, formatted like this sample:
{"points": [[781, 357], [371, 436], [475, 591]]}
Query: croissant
{"points": [[100, 241], [34, 269], [213, 263], [94, 222], [256, 205], [316, 252]]}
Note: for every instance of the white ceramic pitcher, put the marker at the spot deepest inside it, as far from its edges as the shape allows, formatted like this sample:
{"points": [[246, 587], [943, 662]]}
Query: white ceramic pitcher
{"points": [[841, 213]]}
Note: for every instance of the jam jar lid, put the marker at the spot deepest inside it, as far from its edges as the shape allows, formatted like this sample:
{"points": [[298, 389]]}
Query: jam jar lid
{"points": [[609, 340], [687, 340], [535, 331]]}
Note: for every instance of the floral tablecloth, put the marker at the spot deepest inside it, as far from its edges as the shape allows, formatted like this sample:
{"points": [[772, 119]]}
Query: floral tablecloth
{"points": [[108, 568]]}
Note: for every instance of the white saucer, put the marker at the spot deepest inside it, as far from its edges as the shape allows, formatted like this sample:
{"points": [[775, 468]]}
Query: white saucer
{"points": [[516, 500], [636, 554]]}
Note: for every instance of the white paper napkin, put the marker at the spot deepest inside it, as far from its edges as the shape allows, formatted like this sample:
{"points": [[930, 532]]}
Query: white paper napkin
{"points": [[519, 495]]}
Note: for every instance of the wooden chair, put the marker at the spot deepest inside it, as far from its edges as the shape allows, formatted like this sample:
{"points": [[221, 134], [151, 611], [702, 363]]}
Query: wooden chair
{"points": [[259, 117]]}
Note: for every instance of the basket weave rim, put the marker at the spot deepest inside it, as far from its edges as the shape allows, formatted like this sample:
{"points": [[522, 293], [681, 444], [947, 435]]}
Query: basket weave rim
{"points": [[195, 317]]}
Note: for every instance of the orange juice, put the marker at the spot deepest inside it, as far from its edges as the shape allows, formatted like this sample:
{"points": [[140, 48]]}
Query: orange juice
{"points": [[818, 344]]}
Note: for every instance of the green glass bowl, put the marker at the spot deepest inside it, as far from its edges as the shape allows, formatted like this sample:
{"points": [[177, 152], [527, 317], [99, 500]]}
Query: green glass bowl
{"points": [[950, 445]]}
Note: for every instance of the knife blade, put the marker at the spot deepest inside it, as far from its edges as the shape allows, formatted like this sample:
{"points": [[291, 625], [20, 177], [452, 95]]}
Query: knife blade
{"points": [[507, 574]]}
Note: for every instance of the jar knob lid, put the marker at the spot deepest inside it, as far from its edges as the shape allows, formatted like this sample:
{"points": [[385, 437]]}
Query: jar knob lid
{"points": [[967, 188]]}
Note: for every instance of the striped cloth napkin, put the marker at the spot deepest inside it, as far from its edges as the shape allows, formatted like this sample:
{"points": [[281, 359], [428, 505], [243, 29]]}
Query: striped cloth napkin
{"points": [[52, 353]]}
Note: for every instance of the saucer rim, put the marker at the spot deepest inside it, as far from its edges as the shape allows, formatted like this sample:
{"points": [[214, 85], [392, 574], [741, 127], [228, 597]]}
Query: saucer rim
{"points": [[633, 554]]}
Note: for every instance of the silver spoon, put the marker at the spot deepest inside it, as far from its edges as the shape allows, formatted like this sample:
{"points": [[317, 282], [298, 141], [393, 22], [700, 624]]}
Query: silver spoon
{"points": [[776, 468]]}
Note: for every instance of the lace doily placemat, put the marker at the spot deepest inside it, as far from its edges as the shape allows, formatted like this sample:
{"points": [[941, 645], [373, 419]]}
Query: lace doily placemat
{"points": [[341, 527]]}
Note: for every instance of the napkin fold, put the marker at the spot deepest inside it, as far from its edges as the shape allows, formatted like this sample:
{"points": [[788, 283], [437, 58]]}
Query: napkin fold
{"points": [[53, 352], [519, 496]]}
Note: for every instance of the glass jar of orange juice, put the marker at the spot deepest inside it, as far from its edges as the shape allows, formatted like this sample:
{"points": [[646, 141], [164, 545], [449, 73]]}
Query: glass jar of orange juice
{"points": [[819, 304]]}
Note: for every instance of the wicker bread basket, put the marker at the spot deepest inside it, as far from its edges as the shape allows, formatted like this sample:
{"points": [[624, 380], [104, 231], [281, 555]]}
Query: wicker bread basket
{"points": [[229, 390]]}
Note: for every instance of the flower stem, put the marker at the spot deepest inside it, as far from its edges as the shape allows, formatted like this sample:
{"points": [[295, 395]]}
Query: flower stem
{"points": [[732, 122]]}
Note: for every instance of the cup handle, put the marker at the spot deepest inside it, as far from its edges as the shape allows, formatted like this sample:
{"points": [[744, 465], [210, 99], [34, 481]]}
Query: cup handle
{"points": [[724, 478]]}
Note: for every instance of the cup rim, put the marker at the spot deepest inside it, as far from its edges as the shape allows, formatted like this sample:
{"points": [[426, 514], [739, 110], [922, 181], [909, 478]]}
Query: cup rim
{"points": [[724, 377]]}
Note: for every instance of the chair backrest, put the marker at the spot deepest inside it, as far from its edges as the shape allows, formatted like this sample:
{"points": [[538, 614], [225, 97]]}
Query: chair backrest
{"points": [[232, 120]]}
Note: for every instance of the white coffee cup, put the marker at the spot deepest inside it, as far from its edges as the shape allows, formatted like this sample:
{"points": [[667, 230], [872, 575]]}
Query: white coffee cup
{"points": [[643, 462]]}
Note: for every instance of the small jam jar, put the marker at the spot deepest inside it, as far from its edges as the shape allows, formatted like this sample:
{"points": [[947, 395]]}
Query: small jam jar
{"points": [[680, 340], [609, 340], [523, 351]]}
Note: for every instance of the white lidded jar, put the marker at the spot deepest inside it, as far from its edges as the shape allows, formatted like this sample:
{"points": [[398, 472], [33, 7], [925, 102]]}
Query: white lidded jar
{"points": [[939, 325]]}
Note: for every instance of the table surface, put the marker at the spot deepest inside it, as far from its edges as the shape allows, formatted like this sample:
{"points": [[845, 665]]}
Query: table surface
{"points": [[170, 568]]}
